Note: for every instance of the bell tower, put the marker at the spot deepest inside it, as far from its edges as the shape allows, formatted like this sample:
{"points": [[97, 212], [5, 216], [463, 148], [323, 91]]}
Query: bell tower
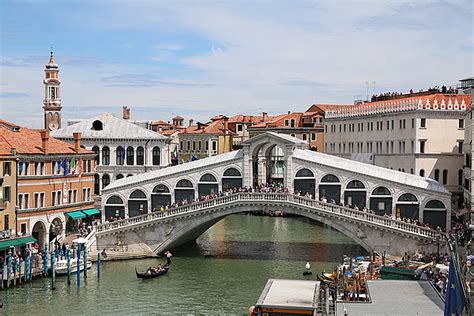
{"points": [[52, 96]]}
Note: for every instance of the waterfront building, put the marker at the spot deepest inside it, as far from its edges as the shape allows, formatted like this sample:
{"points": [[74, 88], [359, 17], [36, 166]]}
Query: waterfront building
{"points": [[205, 139], [417, 133], [54, 181], [172, 131], [240, 125], [467, 87], [121, 148]]}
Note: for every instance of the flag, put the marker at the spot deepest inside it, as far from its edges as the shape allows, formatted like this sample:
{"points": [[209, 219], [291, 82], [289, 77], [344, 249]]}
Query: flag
{"points": [[65, 166], [175, 153], [59, 167], [72, 166], [20, 167], [455, 298]]}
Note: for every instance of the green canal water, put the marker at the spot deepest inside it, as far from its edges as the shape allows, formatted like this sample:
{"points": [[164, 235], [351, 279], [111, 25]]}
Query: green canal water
{"points": [[223, 273]]}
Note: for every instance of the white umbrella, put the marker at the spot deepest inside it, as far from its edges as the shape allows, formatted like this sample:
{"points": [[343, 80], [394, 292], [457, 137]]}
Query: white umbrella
{"points": [[80, 240]]}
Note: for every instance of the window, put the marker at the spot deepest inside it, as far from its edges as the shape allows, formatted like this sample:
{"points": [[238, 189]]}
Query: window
{"points": [[214, 146], [130, 156], [23, 228], [304, 136], [140, 156], [199, 146], [53, 198], [292, 135], [461, 123], [97, 125], [423, 123], [23, 168], [105, 156], [156, 156], [292, 123], [188, 145], [436, 174], [460, 176], [119, 156], [6, 223], [412, 123], [422, 146], [194, 145], [422, 172], [286, 123], [6, 194], [388, 125], [313, 136], [7, 168], [239, 128], [36, 200], [96, 151], [393, 124], [460, 145], [445, 176]]}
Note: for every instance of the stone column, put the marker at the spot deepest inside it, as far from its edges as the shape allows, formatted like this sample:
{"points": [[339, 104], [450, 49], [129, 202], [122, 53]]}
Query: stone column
{"points": [[126, 208], [262, 169], [288, 169], [113, 155], [149, 203], [247, 168]]}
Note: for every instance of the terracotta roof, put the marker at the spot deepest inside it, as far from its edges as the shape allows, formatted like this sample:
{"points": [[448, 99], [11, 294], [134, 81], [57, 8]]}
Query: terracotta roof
{"points": [[28, 141], [216, 127], [279, 121], [327, 107], [160, 122], [177, 117], [436, 101], [169, 132], [246, 119]]}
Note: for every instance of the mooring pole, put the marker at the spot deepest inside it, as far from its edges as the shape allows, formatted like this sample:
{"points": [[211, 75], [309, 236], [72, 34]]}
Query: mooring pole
{"points": [[53, 270], [68, 256], [98, 266], [85, 261], [78, 265]]}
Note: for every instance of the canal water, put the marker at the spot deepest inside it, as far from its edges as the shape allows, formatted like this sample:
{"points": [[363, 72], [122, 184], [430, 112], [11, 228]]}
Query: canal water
{"points": [[223, 273]]}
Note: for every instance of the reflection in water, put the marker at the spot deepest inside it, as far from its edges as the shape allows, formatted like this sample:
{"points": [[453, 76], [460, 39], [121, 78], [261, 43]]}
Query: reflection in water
{"points": [[223, 272]]}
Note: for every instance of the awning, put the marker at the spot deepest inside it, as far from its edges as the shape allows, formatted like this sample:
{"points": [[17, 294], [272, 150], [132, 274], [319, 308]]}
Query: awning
{"points": [[5, 244], [76, 215], [91, 211]]}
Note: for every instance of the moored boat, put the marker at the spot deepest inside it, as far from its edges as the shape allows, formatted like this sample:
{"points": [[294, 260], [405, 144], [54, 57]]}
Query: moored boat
{"points": [[61, 266]]}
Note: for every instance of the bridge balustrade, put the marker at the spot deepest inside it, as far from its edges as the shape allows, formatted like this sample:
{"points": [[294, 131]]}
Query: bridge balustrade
{"points": [[282, 197]]}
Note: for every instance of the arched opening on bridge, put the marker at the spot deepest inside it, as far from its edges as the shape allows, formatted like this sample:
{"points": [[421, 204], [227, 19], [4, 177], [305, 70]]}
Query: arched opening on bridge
{"points": [[305, 182], [184, 191], [56, 229], [39, 232], [330, 188], [355, 194], [231, 179], [407, 206], [119, 176], [435, 213], [137, 203], [160, 197], [381, 201], [114, 208], [207, 185], [275, 164]]}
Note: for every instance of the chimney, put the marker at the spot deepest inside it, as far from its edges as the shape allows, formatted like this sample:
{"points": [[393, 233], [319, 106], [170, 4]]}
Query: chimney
{"points": [[226, 124], [265, 116], [77, 141], [44, 140], [13, 151], [125, 112], [191, 122], [289, 112]]}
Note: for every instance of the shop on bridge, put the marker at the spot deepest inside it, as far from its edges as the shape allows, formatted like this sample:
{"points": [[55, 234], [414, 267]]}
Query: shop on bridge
{"points": [[114, 208], [381, 201], [207, 185], [160, 197], [231, 179], [137, 203], [184, 191], [435, 213], [330, 188], [407, 206], [305, 182], [355, 194]]}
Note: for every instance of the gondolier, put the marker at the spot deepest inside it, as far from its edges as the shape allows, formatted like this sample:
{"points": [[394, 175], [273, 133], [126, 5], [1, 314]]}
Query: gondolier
{"points": [[168, 257]]}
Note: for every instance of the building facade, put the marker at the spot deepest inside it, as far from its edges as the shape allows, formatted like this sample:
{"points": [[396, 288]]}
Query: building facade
{"points": [[121, 148], [420, 135], [467, 87], [53, 180], [7, 191]]}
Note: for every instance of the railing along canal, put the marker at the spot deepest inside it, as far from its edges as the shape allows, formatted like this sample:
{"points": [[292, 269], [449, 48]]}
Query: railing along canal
{"points": [[317, 207]]}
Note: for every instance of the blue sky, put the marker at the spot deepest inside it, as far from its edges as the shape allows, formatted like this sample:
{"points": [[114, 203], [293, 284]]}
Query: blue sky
{"points": [[164, 58]]}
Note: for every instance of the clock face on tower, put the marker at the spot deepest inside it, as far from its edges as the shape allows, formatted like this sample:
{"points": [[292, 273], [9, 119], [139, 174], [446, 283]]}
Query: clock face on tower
{"points": [[53, 126]]}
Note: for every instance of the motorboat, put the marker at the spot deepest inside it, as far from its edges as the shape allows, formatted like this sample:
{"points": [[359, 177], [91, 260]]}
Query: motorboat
{"points": [[61, 265]]}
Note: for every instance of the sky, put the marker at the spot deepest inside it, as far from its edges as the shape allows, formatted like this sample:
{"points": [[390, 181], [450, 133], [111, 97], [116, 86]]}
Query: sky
{"points": [[199, 59]]}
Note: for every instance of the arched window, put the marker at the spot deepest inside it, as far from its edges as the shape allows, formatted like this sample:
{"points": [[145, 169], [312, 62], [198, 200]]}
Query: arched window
{"points": [[183, 183], [119, 176], [435, 214], [330, 178], [435, 204], [436, 174], [97, 126], [411, 170], [160, 197], [422, 172], [232, 172], [114, 199], [140, 153], [96, 151], [156, 156], [381, 191], [304, 173], [208, 178], [120, 155], [130, 154], [355, 184], [161, 189], [407, 197], [460, 177], [105, 180], [445, 176], [105, 156], [138, 194]]}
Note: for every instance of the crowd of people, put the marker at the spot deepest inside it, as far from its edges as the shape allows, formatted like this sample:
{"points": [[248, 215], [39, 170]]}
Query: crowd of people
{"points": [[395, 95]]}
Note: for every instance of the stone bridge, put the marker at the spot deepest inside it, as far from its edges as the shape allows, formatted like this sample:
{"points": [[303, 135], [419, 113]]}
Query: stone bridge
{"points": [[159, 231]]}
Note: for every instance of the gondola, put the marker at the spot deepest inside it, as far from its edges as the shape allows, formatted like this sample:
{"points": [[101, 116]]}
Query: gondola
{"points": [[144, 275]]}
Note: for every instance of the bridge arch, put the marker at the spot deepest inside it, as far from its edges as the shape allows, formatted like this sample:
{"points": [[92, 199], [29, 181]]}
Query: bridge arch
{"points": [[231, 178], [184, 190], [330, 188], [207, 184], [434, 213], [381, 201], [305, 181], [114, 207], [137, 203], [408, 206], [355, 194], [160, 196]]}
